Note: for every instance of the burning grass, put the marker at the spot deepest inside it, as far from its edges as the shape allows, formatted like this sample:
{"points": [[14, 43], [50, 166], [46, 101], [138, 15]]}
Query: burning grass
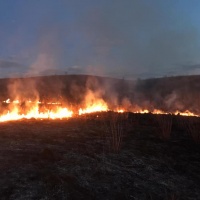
{"points": [[27, 109], [60, 97], [79, 158]]}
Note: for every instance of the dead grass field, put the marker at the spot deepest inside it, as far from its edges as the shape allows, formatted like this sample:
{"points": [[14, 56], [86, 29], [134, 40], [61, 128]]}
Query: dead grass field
{"points": [[76, 159]]}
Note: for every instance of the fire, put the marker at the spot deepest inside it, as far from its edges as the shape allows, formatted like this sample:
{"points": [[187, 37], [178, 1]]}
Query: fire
{"points": [[186, 113], [55, 110], [96, 107], [120, 111], [15, 115], [33, 111], [93, 103], [7, 101], [160, 112]]}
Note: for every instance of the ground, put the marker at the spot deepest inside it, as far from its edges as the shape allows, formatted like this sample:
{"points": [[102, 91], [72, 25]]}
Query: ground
{"points": [[98, 156]]}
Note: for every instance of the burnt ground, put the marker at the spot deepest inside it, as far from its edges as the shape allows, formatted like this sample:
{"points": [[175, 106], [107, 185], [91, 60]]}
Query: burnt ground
{"points": [[84, 158]]}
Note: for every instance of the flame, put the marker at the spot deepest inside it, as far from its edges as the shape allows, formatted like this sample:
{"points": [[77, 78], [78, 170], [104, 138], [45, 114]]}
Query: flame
{"points": [[160, 112], [14, 115], [7, 101], [120, 110], [186, 113], [33, 112], [95, 107], [55, 110], [93, 103]]}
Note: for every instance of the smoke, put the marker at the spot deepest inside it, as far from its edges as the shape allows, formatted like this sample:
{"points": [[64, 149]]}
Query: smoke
{"points": [[115, 38], [110, 93], [110, 37], [134, 38], [165, 94], [170, 100], [48, 51], [23, 90]]}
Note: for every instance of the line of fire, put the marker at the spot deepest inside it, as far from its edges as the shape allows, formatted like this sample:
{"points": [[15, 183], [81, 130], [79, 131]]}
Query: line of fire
{"points": [[16, 110], [94, 94]]}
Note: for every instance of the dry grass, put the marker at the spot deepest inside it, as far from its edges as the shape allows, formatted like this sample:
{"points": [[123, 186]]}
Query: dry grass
{"points": [[165, 126], [190, 125], [116, 131], [114, 127], [193, 129]]}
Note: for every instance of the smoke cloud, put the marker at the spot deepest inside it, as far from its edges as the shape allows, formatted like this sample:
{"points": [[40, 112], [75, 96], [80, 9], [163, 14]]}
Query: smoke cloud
{"points": [[109, 37]]}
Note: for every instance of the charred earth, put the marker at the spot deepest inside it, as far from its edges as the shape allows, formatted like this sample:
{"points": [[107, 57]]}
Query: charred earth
{"points": [[101, 156]]}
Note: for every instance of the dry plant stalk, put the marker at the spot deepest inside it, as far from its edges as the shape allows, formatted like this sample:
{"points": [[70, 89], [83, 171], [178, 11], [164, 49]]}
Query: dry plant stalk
{"points": [[193, 128], [165, 125], [181, 121], [114, 128], [133, 121]]}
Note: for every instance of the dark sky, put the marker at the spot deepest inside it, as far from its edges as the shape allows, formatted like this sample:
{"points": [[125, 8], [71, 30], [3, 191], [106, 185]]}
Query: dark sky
{"points": [[119, 38]]}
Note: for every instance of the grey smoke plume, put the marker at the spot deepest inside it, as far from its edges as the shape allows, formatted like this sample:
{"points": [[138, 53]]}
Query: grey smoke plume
{"points": [[131, 38], [136, 38]]}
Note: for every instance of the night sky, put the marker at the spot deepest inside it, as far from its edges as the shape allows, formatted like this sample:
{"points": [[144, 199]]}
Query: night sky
{"points": [[117, 38]]}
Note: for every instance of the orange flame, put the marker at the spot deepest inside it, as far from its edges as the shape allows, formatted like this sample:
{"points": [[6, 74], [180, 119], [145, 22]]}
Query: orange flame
{"points": [[33, 112], [95, 107], [93, 104], [58, 112]]}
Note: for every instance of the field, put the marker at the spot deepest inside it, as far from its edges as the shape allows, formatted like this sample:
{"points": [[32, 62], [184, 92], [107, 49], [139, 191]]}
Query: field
{"points": [[101, 156]]}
